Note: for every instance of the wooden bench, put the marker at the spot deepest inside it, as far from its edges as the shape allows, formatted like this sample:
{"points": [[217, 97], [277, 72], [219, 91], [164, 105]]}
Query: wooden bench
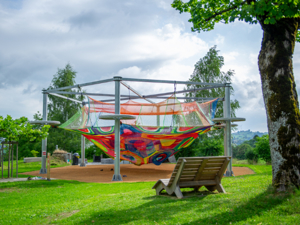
{"points": [[195, 172]]}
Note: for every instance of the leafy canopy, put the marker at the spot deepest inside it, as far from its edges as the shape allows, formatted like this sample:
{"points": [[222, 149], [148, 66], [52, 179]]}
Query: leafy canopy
{"points": [[60, 109], [14, 130], [206, 13]]}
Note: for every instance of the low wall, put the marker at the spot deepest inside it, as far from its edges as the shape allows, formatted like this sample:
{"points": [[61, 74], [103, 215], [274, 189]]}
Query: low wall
{"points": [[32, 159]]}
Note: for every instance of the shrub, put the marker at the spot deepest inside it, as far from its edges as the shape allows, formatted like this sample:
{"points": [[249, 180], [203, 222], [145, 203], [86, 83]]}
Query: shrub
{"points": [[34, 153], [251, 156], [239, 151], [262, 148], [210, 147]]}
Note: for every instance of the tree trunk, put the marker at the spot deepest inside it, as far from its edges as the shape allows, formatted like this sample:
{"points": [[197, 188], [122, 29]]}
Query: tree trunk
{"points": [[281, 101]]}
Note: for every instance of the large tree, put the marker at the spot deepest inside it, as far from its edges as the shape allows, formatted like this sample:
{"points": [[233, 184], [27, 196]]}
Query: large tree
{"points": [[279, 20], [60, 109], [209, 70]]}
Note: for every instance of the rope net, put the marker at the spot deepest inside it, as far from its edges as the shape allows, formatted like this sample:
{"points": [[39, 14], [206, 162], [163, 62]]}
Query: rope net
{"points": [[159, 130]]}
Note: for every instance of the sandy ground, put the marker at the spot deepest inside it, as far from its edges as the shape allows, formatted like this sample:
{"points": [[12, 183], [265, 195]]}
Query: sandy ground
{"points": [[129, 172]]}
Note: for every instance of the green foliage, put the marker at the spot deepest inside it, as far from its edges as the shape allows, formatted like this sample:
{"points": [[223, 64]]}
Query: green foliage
{"points": [[252, 141], [206, 13], [15, 129], [34, 153], [61, 110], [94, 150], [251, 156], [189, 151], [239, 151], [208, 70], [245, 135], [210, 147], [262, 148]]}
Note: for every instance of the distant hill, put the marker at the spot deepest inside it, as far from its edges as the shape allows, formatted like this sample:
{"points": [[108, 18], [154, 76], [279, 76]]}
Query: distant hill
{"points": [[244, 135]]}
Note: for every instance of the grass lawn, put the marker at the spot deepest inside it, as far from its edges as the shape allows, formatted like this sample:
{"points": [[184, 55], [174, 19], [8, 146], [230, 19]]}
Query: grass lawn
{"points": [[27, 167], [249, 200]]}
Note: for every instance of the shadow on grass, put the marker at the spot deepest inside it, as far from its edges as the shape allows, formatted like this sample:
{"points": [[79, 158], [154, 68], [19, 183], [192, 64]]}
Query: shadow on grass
{"points": [[160, 209]]}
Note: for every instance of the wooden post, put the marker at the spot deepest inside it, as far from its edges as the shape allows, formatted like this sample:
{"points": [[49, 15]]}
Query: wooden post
{"points": [[48, 167], [8, 162], [12, 160]]}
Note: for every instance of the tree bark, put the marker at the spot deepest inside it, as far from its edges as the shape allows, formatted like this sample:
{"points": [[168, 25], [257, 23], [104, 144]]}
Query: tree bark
{"points": [[281, 101]]}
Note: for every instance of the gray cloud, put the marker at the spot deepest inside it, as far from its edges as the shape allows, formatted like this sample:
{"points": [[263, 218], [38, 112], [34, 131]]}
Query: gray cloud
{"points": [[101, 39]]}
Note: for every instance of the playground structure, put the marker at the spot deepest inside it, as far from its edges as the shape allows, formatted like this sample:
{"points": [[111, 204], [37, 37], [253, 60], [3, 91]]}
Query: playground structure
{"points": [[204, 115]]}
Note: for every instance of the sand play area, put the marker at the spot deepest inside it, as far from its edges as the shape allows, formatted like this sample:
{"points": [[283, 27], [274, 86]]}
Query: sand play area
{"points": [[129, 172]]}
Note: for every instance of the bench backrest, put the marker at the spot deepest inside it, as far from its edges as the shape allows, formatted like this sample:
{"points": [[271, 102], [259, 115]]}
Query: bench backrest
{"points": [[200, 168]]}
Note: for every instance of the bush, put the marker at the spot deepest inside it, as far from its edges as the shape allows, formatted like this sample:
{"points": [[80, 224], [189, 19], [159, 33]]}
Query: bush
{"points": [[188, 151], [34, 153], [262, 148], [94, 150], [210, 147], [251, 156], [239, 151]]}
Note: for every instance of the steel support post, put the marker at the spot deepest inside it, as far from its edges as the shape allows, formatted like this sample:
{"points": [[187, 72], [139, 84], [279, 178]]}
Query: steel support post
{"points": [[225, 129], [228, 129], [82, 163], [117, 175], [44, 141]]}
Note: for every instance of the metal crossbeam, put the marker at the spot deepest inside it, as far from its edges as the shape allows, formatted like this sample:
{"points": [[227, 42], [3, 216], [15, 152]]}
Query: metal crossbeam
{"points": [[84, 93], [61, 96], [160, 94], [136, 80], [82, 85], [136, 92], [170, 81]]}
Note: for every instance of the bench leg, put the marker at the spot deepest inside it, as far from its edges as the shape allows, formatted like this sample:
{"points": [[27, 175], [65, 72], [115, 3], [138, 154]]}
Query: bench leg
{"points": [[177, 192], [159, 188], [220, 188]]}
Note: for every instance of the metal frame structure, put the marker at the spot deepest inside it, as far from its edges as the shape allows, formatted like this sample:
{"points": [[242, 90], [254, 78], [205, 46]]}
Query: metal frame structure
{"points": [[117, 99]]}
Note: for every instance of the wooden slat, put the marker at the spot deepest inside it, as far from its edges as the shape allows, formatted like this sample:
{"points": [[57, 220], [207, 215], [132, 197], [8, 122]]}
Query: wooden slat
{"points": [[201, 168], [197, 183], [186, 173], [222, 170], [215, 172], [212, 168], [214, 164], [192, 166]]}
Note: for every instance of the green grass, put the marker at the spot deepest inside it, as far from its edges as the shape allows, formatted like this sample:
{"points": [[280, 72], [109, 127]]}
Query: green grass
{"points": [[27, 167], [249, 200]]}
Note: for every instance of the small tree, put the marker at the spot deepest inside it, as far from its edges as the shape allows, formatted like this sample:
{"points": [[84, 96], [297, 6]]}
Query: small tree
{"points": [[14, 130], [19, 129], [262, 148]]}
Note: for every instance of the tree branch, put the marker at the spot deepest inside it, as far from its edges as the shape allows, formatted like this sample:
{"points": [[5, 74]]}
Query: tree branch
{"points": [[224, 11]]}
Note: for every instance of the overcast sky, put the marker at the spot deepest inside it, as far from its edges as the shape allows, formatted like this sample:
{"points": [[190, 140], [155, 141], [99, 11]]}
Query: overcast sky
{"points": [[129, 38]]}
